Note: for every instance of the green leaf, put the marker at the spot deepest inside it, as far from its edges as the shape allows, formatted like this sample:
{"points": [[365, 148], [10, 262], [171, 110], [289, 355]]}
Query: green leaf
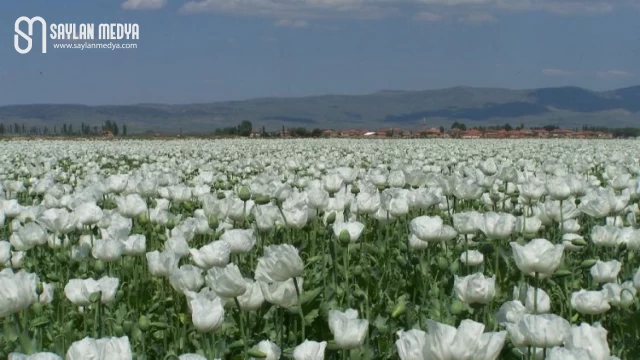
{"points": [[310, 316], [40, 321]]}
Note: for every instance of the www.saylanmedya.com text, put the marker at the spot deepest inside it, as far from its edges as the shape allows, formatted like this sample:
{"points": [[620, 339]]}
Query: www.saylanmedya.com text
{"points": [[88, 45]]}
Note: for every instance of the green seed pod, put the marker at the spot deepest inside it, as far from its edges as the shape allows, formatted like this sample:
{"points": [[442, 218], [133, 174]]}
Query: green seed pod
{"points": [[255, 353], [514, 200], [37, 308], [95, 297], [221, 195], [443, 264], [170, 224], [359, 294], [98, 266], [119, 295], [588, 263], [143, 323], [213, 222], [456, 307], [344, 237], [331, 218], [578, 202], [381, 188], [399, 309], [127, 325], [355, 190], [119, 330], [244, 194], [454, 267], [357, 271], [143, 219]]}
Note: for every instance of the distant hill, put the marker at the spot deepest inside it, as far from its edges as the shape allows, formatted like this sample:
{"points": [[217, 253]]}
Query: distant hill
{"points": [[562, 106]]}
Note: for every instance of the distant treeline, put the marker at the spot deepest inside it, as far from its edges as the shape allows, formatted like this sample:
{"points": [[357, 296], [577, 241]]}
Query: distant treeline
{"points": [[65, 129]]}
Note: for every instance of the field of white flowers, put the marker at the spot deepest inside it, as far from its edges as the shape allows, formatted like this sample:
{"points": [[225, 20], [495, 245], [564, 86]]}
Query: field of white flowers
{"points": [[319, 249]]}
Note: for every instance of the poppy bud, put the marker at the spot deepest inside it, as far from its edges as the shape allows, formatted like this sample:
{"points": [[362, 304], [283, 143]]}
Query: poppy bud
{"points": [[255, 353], [213, 222], [221, 196], [399, 309], [98, 266], [588, 263], [244, 194], [261, 200], [331, 218], [578, 242]]}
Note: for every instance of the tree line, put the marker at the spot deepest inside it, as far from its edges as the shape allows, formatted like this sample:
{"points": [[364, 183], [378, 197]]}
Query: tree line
{"points": [[65, 129]]}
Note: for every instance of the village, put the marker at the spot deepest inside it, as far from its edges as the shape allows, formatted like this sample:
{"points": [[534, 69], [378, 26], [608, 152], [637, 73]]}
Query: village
{"points": [[456, 133]]}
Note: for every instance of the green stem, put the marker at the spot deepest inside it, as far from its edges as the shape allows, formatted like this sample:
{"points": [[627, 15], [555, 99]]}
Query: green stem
{"points": [[242, 332], [295, 283]]}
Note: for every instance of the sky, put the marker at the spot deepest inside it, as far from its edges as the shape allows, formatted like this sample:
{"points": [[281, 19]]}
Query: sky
{"points": [[194, 51]]}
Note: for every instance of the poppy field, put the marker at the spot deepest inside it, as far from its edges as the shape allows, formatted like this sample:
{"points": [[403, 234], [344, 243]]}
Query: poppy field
{"points": [[319, 249]]}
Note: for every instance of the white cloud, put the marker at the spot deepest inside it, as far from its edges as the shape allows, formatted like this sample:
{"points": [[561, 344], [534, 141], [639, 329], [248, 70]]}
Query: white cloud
{"points": [[427, 17], [556, 72], [612, 74], [290, 23], [475, 11], [287, 9], [477, 18], [143, 4]]}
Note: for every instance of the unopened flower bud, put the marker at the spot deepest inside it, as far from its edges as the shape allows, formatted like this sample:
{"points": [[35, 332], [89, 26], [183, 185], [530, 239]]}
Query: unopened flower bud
{"points": [[221, 196], [213, 222], [399, 309], [588, 263], [244, 194], [98, 266], [331, 218], [261, 200], [578, 242], [255, 353], [39, 288]]}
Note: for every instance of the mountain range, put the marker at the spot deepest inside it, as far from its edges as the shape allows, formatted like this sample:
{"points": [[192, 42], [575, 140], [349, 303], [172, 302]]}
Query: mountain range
{"points": [[566, 107]]}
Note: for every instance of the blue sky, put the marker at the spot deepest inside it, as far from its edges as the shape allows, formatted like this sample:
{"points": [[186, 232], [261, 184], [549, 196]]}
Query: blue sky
{"points": [[213, 50]]}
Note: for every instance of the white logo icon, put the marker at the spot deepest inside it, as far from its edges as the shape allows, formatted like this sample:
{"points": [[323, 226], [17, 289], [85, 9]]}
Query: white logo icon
{"points": [[19, 33]]}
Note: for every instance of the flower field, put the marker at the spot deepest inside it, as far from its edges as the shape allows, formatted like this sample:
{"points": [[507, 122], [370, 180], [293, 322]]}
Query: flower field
{"points": [[319, 249]]}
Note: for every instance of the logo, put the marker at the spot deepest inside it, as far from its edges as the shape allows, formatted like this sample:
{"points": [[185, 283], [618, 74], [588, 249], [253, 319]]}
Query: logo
{"points": [[66, 35], [19, 33]]}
